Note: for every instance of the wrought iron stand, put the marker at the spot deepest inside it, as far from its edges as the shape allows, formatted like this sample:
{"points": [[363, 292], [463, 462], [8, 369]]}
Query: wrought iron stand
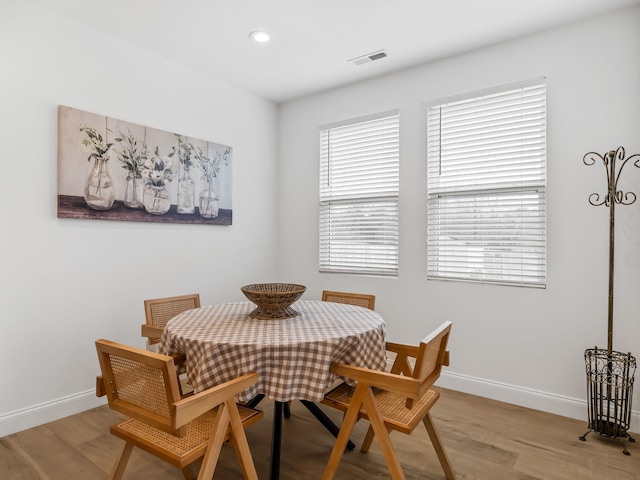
{"points": [[610, 374]]}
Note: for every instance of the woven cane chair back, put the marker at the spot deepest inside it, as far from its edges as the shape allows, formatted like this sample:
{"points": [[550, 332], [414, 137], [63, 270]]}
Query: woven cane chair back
{"points": [[432, 354], [358, 299], [139, 384], [159, 311]]}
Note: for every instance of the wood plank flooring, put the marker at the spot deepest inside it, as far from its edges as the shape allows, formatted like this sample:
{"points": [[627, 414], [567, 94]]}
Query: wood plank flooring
{"points": [[485, 440]]}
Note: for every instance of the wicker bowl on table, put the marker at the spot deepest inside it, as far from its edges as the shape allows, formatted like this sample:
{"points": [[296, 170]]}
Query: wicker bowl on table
{"points": [[273, 299]]}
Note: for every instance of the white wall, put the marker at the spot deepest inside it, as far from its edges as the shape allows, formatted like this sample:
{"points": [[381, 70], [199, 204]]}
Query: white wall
{"points": [[66, 283], [519, 345]]}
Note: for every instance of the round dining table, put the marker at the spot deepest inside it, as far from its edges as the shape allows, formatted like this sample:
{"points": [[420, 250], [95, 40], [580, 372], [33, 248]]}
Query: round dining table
{"points": [[292, 356]]}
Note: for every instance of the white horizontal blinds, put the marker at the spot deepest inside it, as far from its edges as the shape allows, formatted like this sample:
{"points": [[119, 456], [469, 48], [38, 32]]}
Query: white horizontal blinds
{"points": [[359, 237], [486, 167], [359, 182]]}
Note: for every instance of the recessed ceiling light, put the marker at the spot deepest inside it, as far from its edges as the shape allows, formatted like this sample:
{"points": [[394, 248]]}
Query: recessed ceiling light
{"points": [[260, 37]]}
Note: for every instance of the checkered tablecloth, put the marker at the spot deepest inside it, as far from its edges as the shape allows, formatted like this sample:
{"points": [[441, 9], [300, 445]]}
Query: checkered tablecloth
{"points": [[292, 356]]}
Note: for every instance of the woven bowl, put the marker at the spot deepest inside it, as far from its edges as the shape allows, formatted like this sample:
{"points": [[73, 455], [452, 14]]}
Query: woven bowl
{"points": [[273, 299]]}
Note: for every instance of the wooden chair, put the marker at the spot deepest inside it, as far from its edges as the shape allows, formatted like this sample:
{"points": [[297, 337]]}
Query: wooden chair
{"points": [[397, 400], [143, 385], [159, 311], [359, 299]]}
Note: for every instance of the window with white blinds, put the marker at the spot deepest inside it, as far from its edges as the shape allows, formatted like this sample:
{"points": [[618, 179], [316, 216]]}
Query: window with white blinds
{"points": [[359, 184], [486, 178]]}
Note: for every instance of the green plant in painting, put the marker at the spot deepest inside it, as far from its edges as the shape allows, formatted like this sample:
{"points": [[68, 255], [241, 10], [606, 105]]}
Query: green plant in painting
{"points": [[210, 166], [94, 144], [132, 155], [185, 151]]}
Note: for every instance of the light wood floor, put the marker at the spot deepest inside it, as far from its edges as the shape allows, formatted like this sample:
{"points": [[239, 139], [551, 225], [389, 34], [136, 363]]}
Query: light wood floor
{"points": [[485, 439]]}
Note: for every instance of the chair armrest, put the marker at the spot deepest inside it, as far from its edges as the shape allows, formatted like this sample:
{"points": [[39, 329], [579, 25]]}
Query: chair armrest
{"points": [[401, 349], [154, 333], [151, 331], [406, 386], [404, 351], [192, 407]]}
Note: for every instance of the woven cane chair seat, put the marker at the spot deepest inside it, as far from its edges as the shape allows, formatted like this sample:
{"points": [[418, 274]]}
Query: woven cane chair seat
{"points": [[180, 451], [392, 406]]}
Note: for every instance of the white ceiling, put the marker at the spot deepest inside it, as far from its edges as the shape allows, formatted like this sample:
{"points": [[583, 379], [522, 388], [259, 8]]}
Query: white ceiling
{"points": [[313, 41]]}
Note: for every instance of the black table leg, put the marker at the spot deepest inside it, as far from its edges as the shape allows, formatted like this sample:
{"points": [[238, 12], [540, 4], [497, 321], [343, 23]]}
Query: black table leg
{"points": [[281, 409], [253, 403], [276, 437], [324, 420]]}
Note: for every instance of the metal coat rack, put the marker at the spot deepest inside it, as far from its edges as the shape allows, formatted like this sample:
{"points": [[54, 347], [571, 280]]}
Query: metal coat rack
{"points": [[610, 374]]}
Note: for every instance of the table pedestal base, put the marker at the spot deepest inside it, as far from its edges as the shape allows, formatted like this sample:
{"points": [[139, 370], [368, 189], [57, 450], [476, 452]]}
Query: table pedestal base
{"points": [[281, 409]]}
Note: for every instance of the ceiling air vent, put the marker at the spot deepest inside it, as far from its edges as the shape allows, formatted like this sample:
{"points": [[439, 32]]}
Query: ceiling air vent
{"points": [[369, 57]]}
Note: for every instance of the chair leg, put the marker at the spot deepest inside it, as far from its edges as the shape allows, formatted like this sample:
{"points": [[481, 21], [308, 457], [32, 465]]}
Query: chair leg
{"points": [[121, 463], [437, 445], [350, 418], [368, 440], [239, 442], [375, 418], [188, 473], [218, 437]]}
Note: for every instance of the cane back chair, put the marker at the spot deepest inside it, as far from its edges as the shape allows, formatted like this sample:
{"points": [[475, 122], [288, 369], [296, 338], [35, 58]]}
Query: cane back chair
{"points": [[359, 299], [396, 400], [143, 386], [158, 311]]}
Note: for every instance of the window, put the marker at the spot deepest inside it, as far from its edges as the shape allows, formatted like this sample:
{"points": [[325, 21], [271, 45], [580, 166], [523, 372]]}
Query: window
{"points": [[486, 177], [359, 177]]}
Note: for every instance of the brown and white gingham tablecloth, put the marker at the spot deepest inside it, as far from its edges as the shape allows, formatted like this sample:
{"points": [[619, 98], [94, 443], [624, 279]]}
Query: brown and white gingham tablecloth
{"points": [[292, 356]]}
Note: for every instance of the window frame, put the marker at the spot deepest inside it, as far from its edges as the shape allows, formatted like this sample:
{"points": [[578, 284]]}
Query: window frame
{"points": [[354, 177], [443, 253]]}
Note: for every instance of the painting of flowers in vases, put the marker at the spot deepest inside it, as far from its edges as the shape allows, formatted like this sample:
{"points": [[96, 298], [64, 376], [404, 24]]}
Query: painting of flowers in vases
{"points": [[110, 169]]}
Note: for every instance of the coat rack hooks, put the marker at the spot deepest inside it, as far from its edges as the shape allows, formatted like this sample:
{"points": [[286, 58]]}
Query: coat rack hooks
{"points": [[614, 162]]}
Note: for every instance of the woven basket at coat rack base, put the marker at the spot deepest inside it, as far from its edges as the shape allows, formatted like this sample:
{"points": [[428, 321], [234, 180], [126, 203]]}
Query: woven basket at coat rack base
{"points": [[273, 299]]}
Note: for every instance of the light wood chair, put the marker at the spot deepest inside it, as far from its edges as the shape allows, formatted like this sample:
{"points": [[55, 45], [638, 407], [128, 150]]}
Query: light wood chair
{"points": [[359, 299], [397, 400], [143, 386], [158, 311]]}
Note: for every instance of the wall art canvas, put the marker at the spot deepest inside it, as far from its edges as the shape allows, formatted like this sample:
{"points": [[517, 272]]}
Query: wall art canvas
{"points": [[110, 169]]}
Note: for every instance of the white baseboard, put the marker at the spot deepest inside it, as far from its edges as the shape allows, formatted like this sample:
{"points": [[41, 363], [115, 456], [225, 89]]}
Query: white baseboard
{"points": [[524, 397], [35, 415], [560, 405]]}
